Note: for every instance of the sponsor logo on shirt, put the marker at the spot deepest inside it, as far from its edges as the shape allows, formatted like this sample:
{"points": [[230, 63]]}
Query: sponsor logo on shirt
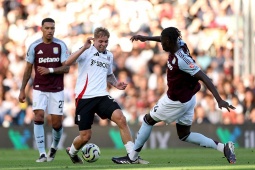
{"points": [[173, 61], [99, 63], [48, 60], [169, 66]]}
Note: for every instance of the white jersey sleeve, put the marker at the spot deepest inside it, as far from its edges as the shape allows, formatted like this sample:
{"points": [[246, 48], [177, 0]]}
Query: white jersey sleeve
{"points": [[110, 67]]}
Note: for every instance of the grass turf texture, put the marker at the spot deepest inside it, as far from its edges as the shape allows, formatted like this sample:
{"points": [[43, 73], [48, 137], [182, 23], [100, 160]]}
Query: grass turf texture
{"points": [[167, 159]]}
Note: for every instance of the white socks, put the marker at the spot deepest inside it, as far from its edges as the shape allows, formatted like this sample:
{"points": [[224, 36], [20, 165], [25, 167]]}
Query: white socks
{"points": [[220, 147], [129, 146], [73, 151]]}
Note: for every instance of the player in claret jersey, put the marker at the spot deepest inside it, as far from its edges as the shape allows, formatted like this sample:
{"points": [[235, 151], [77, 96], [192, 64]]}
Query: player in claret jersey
{"points": [[178, 103], [48, 56]]}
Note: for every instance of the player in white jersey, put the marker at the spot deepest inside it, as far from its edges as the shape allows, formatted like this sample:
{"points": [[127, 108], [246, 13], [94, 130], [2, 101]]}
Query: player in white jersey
{"points": [[94, 72]]}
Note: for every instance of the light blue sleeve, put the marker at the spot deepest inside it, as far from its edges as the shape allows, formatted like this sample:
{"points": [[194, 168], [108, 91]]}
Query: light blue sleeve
{"points": [[30, 57], [187, 65], [64, 52]]}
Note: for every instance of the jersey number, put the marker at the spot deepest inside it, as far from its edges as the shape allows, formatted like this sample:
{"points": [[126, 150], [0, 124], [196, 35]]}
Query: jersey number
{"points": [[155, 108], [61, 102]]}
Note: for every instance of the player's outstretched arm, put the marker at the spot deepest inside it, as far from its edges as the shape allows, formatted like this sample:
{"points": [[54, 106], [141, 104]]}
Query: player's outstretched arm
{"points": [[145, 38], [200, 75], [73, 57], [62, 69]]}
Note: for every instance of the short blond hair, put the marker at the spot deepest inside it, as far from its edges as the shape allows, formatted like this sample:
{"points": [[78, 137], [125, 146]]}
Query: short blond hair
{"points": [[100, 32]]}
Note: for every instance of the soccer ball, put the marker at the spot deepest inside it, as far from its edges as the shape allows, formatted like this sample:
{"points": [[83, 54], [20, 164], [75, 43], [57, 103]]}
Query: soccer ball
{"points": [[90, 152]]}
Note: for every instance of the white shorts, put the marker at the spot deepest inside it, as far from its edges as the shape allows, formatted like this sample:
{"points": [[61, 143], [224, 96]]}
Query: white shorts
{"points": [[169, 111], [50, 102]]}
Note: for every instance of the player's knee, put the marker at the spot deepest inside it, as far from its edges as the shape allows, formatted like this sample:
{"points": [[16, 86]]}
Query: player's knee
{"points": [[119, 119], [183, 131], [38, 122], [57, 127], [39, 118], [149, 120]]}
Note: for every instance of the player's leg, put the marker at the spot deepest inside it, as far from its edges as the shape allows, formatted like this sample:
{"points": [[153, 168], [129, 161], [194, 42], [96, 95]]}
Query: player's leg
{"points": [[125, 133], [162, 111], [184, 134], [84, 116], [142, 136], [78, 143], [57, 131], [39, 105], [120, 120], [158, 113], [109, 108], [55, 110], [39, 134], [183, 125]]}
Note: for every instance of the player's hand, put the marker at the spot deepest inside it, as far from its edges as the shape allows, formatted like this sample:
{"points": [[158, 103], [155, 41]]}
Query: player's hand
{"points": [[88, 42], [22, 96], [121, 85], [226, 105], [138, 37], [43, 70]]}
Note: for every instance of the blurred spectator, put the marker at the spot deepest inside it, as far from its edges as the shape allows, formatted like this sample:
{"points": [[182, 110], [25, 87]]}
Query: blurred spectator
{"points": [[206, 25], [252, 116], [248, 104], [200, 116], [213, 113]]}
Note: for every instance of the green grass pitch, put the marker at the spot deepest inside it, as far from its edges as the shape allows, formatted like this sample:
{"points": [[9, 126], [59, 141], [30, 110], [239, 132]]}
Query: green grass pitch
{"points": [[167, 159]]}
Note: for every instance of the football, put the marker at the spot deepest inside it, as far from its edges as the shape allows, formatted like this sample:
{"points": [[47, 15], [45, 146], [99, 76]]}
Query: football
{"points": [[90, 152]]}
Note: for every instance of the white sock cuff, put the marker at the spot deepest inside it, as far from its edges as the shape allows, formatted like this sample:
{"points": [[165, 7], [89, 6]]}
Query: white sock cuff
{"points": [[73, 151], [129, 146], [220, 147]]}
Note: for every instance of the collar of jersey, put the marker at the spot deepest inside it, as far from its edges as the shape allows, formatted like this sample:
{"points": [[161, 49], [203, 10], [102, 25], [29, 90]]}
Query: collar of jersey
{"points": [[104, 52]]}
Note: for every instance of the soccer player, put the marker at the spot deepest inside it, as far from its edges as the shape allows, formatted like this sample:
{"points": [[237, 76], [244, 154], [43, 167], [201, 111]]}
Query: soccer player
{"points": [[94, 72], [178, 103], [48, 55]]}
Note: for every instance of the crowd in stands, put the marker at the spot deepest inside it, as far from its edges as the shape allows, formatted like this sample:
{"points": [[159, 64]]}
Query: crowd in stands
{"points": [[205, 26]]}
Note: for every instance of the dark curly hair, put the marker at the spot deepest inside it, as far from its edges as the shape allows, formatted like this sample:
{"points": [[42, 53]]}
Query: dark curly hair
{"points": [[172, 33]]}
